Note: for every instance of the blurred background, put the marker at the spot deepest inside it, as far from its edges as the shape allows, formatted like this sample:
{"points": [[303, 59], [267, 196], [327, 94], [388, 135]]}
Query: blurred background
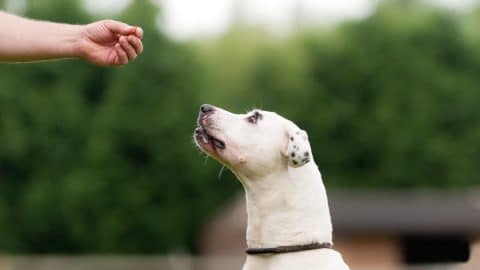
{"points": [[98, 169]]}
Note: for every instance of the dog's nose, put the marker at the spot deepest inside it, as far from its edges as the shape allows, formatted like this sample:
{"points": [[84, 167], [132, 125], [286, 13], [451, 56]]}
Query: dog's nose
{"points": [[206, 108]]}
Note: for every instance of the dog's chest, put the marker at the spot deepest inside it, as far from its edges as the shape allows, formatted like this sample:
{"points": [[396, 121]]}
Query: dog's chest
{"points": [[308, 260]]}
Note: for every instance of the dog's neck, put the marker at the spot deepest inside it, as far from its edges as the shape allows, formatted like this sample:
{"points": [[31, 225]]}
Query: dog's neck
{"points": [[288, 207]]}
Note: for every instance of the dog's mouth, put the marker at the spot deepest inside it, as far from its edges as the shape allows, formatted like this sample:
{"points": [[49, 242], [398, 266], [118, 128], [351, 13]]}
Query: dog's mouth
{"points": [[207, 141]]}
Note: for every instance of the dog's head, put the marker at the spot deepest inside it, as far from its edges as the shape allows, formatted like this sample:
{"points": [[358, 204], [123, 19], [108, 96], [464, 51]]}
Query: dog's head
{"points": [[252, 144]]}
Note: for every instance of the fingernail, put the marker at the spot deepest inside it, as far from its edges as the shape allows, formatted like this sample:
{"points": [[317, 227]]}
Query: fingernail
{"points": [[139, 31]]}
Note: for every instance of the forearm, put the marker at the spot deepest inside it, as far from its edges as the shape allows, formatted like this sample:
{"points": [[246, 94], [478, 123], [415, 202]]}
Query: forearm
{"points": [[28, 40]]}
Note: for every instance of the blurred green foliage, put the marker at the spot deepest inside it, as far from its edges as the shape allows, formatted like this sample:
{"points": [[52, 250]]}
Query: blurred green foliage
{"points": [[101, 159]]}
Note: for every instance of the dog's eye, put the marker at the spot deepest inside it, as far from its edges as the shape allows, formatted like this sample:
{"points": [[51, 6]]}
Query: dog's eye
{"points": [[254, 117]]}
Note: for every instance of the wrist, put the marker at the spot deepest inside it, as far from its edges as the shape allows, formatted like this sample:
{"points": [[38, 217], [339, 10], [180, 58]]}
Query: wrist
{"points": [[76, 41]]}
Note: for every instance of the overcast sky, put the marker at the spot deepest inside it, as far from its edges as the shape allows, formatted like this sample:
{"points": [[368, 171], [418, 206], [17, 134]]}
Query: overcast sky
{"points": [[186, 19]]}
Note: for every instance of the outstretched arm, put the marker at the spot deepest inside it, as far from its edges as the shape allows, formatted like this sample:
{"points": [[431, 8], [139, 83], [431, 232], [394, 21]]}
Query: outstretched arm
{"points": [[103, 43]]}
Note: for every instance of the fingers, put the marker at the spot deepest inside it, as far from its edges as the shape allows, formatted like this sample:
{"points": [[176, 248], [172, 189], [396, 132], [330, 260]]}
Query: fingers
{"points": [[128, 48], [139, 32], [122, 57], [129, 44], [136, 43], [120, 27]]}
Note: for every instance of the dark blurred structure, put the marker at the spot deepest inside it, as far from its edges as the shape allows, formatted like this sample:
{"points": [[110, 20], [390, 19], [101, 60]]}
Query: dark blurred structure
{"points": [[389, 230]]}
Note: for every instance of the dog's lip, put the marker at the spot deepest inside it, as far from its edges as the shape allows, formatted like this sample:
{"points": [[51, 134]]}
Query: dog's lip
{"points": [[207, 141]]}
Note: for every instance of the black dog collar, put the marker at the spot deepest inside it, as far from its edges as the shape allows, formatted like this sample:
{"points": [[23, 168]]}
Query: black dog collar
{"points": [[288, 249]]}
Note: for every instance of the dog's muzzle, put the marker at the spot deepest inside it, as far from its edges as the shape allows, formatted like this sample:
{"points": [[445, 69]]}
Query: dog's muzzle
{"points": [[202, 135]]}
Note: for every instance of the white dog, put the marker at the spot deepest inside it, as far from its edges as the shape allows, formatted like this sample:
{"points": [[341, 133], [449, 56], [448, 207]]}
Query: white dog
{"points": [[289, 225]]}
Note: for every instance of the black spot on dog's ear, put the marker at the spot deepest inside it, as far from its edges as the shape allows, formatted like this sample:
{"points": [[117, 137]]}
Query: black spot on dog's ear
{"points": [[295, 163], [306, 154], [292, 154], [291, 138]]}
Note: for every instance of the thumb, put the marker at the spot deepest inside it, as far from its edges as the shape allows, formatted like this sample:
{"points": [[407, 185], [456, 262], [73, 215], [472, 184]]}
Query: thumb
{"points": [[119, 27]]}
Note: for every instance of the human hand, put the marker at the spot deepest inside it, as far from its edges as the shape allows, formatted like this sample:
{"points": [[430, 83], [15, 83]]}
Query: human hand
{"points": [[110, 43]]}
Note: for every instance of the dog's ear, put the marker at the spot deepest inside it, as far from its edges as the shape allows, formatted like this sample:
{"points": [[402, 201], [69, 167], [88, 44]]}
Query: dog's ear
{"points": [[298, 149]]}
